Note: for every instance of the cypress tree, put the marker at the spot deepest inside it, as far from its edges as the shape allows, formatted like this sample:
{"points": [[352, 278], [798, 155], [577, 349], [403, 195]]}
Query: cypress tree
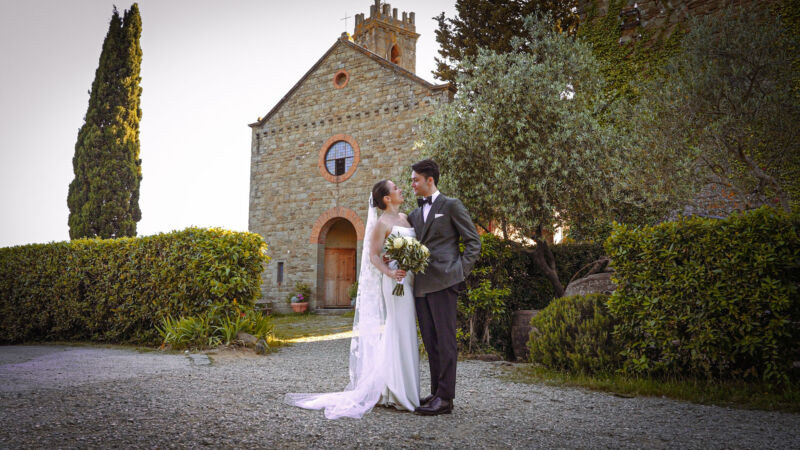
{"points": [[103, 197]]}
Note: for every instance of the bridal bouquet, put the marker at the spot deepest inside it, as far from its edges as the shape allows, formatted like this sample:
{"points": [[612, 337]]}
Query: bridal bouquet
{"points": [[410, 255]]}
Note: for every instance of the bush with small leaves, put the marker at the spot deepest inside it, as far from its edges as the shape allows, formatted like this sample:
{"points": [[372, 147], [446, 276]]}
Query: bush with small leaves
{"points": [[117, 290], [709, 298], [575, 334]]}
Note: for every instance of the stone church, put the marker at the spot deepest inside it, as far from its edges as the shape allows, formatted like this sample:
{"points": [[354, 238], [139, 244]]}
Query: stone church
{"points": [[349, 122]]}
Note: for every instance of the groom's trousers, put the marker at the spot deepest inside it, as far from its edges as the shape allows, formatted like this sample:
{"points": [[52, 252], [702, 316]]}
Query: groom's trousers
{"points": [[436, 313]]}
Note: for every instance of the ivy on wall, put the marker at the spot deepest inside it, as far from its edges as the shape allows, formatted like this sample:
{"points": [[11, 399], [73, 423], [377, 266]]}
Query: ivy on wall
{"points": [[644, 57], [621, 64], [789, 12]]}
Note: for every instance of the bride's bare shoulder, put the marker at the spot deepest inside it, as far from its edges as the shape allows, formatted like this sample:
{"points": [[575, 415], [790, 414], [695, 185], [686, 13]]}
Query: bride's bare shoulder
{"points": [[382, 225]]}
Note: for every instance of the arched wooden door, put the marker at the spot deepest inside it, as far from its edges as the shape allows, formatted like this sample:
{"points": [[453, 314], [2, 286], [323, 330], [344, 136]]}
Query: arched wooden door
{"points": [[339, 264], [340, 273]]}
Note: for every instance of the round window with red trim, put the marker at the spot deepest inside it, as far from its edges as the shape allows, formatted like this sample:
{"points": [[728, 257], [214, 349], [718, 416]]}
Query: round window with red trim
{"points": [[339, 158], [340, 79]]}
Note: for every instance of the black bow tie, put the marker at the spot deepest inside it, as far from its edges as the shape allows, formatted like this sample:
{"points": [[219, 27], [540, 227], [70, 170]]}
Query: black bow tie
{"points": [[422, 201]]}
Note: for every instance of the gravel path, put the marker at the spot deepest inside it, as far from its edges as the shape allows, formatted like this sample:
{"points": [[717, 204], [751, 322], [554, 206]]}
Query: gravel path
{"points": [[57, 396]]}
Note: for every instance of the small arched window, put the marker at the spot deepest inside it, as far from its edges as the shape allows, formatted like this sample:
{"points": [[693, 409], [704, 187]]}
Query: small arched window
{"points": [[394, 55]]}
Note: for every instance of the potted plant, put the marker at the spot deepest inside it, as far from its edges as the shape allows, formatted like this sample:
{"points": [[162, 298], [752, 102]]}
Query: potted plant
{"points": [[352, 291], [299, 299]]}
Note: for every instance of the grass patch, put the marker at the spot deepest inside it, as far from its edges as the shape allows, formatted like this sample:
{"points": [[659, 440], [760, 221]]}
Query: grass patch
{"points": [[735, 394], [295, 327]]}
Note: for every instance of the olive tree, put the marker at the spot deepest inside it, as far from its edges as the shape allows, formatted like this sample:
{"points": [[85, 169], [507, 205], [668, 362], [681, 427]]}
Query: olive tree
{"points": [[523, 144]]}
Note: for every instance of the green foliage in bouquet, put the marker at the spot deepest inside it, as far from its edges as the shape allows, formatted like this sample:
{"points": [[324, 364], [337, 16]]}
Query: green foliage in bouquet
{"points": [[410, 255]]}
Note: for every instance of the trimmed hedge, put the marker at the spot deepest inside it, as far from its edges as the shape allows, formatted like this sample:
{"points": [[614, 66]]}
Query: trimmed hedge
{"points": [[117, 290], [504, 265], [709, 298], [575, 334]]}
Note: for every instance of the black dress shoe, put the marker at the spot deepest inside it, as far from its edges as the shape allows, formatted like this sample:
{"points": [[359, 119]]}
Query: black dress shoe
{"points": [[426, 400], [435, 407]]}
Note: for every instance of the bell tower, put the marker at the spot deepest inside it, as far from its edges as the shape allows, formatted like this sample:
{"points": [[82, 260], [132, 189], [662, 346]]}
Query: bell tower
{"points": [[388, 36]]}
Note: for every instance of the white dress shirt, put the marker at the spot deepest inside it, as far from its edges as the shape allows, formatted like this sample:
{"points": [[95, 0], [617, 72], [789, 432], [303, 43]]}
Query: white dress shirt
{"points": [[427, 207]]}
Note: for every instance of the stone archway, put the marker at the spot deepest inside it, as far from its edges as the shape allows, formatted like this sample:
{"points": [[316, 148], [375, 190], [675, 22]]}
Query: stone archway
{"points": [[338, 234]]}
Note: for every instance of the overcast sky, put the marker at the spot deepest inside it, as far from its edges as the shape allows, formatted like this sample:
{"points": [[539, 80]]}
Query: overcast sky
{"points": [[209, 68]]}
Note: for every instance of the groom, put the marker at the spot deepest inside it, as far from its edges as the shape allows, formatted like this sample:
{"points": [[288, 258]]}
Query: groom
{"points": [[439, 222]]}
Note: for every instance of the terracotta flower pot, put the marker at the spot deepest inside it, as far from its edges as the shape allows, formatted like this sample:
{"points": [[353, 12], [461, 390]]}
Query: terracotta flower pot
{"points": [[299, 307]]}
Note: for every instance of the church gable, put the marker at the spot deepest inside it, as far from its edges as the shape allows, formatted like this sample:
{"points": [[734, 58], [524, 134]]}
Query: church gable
{"points": [[344, 65]]}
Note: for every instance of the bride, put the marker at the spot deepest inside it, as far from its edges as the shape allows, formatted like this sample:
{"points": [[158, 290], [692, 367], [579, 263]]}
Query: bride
{"points": [[384, 354]]}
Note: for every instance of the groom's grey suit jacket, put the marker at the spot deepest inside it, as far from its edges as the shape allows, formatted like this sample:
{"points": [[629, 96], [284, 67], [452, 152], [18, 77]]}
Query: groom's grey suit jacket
{"points": [[448, 220]]}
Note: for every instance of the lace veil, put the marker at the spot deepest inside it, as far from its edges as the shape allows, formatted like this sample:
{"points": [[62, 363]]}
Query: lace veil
{"points": [[366, 383]]}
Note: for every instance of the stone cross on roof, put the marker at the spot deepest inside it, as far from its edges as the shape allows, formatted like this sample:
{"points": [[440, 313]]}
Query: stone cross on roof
{"points": [[345, 20]]}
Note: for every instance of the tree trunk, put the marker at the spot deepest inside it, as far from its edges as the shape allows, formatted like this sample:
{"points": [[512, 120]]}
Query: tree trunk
{"points": [[486, 336], [545, 261], [471, 331]]}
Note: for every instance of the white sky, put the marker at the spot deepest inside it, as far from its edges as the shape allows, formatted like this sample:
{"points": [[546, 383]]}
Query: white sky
{"points": [[209, 68]]}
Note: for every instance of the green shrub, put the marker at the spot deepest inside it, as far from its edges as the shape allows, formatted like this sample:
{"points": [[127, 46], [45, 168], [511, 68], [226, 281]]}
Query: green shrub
{"points": [[259, 325], [116, 290], [575, 334], [504, 265], [481, 301], [219, 324], [188, 332], [709, 298]]}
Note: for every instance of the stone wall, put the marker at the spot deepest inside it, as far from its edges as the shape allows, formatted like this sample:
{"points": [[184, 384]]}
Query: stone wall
{"points": [[657, 16], [290, 200]]}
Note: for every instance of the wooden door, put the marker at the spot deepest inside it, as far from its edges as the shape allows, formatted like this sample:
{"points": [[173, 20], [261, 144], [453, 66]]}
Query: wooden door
{"points": [[340, 273]]}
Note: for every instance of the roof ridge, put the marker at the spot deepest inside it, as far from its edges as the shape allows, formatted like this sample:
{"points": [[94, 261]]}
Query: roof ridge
{"points": [[380, 60]]}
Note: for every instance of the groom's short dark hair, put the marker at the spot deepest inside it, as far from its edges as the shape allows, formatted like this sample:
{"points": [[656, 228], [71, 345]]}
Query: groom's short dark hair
{"points": [[428, 168]]}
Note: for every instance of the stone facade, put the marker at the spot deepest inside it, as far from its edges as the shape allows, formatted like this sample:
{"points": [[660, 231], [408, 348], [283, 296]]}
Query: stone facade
{"points": [[351, 94]]}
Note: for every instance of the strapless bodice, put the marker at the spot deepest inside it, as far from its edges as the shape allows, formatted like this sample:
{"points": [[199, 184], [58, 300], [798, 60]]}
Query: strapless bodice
{"points": [[404, 231]]}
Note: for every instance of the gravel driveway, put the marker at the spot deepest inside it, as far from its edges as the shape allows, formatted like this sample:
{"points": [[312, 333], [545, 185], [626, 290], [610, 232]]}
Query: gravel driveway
{"points": [[59, 396]]}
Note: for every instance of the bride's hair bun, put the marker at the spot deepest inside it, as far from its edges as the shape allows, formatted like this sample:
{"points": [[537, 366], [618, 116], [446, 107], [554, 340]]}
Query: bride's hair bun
{"points": [[380, 190]]}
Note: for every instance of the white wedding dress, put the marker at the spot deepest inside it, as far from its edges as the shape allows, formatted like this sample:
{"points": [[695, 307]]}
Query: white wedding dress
{"points": [[400, 345], [384, 353]]}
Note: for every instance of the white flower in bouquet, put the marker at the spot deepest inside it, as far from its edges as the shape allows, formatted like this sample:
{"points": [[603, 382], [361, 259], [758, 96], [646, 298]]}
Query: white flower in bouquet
{"points": [[410, 255]]}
